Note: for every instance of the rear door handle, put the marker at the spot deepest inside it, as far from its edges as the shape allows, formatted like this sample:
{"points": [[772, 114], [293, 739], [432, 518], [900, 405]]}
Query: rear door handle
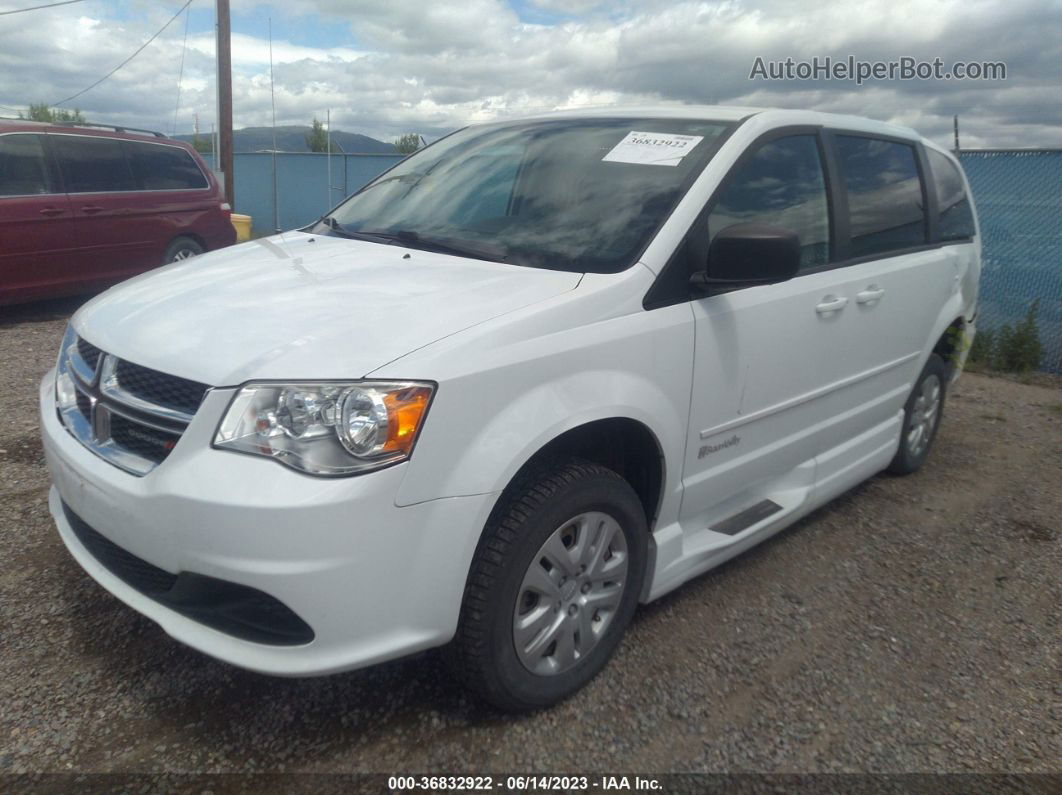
{"points": [[92, 209], [869, 295], [51, 211], [831, 303]]}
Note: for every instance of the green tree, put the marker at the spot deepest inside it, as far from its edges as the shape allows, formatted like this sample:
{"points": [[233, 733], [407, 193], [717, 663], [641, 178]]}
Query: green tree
{"points": [[317, 138], [407, 144], [204, 146], [41, 112]]}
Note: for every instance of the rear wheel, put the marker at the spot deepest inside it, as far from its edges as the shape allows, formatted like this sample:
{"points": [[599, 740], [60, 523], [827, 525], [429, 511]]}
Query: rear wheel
{"points": [[181, 248], [553, 586], [921, 418]]}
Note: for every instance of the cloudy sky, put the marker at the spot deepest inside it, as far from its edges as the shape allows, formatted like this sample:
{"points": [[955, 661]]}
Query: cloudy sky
{"points": [[385, 67]]}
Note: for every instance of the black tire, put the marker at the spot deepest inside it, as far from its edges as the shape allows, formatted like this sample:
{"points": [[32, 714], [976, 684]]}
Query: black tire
{"points": [[181, 248], [910, 458], [483, 654]]}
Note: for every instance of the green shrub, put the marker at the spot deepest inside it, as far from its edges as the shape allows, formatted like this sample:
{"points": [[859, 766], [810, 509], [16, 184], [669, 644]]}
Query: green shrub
{"points": [[1017, 349], [983, 347]]}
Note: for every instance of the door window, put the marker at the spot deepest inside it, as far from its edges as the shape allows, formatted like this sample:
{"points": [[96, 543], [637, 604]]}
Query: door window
{"points": [[782, 185], [885, 207], [23, 171], [956, 216], [159, 167], [92, 165]]}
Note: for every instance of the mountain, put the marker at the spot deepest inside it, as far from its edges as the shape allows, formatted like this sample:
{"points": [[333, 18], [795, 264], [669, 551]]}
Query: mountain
{"points": [[292, 138]]}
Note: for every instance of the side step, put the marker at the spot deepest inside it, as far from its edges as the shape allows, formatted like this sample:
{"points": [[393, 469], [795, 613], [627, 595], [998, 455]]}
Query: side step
{"points": [[745, 519]]}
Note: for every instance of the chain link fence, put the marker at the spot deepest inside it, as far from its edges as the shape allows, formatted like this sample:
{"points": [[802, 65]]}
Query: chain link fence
{"points": [[1019, 203]]}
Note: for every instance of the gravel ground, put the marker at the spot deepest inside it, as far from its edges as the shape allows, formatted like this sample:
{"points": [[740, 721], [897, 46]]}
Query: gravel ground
{"points": [[911, 625]]}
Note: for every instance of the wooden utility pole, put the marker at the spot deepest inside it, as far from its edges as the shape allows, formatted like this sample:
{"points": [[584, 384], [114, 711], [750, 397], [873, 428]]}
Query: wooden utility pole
{"points": [[224, 45], [955, 120]]}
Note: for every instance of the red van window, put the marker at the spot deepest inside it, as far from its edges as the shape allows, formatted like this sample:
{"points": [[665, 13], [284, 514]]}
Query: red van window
{"points": [[22, 167], [92, 165], [162, 167]]}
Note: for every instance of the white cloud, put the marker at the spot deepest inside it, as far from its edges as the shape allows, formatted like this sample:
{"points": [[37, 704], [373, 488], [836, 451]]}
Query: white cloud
{"points": [[572, 7], [248, 51], [412, 65]]}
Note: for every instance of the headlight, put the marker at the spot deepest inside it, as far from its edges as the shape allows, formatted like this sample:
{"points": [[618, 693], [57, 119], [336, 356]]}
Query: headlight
{"points": [[327, 428], [65, 392]]}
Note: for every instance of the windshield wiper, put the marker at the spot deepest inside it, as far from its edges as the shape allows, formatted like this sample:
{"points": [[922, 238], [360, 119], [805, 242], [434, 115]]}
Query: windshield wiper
{"points": [[341, 231], [411, 239], [443, 245]]}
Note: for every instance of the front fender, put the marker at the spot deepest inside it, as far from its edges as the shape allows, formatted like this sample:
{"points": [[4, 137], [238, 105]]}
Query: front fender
{"points": [[484, 425]]}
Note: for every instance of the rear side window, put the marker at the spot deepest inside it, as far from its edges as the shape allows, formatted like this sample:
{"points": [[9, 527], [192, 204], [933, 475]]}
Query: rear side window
{"points": [[956, 215], [885, 206], [23, 171], [783, 185], [93, 164], [159, 167]]}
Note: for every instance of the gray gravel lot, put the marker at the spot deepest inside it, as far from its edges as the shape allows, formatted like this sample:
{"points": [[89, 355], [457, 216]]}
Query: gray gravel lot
{"points": [[911, 625]]}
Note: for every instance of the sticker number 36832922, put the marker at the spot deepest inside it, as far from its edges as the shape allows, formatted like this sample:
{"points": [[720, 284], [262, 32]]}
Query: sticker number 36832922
{"points": [[657, 149]]}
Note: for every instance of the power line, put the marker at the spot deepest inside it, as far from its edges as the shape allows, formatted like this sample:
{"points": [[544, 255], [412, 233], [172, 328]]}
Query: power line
{"points": [[38, 8], [127, 60], [180, 72]]}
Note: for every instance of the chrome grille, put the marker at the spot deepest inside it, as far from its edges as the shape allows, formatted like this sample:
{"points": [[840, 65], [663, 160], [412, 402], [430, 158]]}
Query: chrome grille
{"points": [[89, 353], [84, 405], [128, 414], [143, 440]]}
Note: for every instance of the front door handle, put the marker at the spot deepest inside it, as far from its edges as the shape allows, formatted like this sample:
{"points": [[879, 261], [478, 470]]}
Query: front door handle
{"points": [[92, 209], [831, 303], [870, 295], [51, 212]]}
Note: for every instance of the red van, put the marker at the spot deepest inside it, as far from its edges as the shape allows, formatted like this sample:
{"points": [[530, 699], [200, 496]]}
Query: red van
{"points": [[83, 207]]}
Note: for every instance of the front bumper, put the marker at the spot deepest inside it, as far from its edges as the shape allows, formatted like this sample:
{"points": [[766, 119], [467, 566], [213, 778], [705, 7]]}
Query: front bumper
{"points": [[372, 580]]}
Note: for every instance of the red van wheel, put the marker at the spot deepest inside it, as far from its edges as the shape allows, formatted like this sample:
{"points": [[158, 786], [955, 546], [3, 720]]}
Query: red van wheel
{"points": [[181, 248]]}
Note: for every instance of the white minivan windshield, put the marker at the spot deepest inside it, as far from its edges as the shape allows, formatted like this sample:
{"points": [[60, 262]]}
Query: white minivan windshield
{"points": [[583, 195]]}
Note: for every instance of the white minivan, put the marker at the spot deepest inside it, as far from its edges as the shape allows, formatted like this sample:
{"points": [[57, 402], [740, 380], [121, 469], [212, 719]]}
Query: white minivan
{"points": [[535, 374]]}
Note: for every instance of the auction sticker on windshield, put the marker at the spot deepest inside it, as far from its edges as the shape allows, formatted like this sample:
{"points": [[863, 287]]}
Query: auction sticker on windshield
{"points": [[657, 149]]}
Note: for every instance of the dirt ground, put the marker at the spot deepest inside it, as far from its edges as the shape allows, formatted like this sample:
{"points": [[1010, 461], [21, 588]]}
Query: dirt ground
{"points": [[911, 625]]}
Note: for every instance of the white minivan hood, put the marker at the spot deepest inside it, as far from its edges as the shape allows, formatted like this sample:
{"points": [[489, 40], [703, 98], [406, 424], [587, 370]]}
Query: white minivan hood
{"points": [[301, 306]]}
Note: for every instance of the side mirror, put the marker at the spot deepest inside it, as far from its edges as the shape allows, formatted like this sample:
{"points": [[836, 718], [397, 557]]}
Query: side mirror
{"points": [[745, 255]]}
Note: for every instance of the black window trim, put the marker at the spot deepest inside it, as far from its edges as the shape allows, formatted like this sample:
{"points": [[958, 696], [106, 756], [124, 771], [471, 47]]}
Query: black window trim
{"points": [[55, 183], [662, 293], [670, 288], [929, 196], [129, 162]]}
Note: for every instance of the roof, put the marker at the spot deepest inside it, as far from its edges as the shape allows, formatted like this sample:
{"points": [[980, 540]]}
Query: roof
{"points": [[730, 113], [11, 125]]}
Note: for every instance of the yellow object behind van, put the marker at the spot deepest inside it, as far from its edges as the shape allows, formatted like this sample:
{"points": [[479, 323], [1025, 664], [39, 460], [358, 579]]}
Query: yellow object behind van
{"points": [[242, 224]]}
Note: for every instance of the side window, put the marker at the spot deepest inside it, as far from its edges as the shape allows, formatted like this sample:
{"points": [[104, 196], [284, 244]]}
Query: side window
{"points": [[93, 164], [23, 170], [956, 217], [783, 185], [159, 167], [885, 206]]}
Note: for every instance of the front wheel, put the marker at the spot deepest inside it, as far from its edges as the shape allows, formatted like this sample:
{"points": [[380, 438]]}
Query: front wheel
{"points": [[921, 418], [553, 586]]}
